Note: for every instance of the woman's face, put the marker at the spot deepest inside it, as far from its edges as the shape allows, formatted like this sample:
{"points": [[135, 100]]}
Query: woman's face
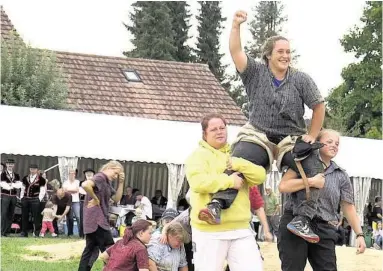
{"points": [[331, 141], [174, 241], [145, 236], [216, 133], [112, 173]]}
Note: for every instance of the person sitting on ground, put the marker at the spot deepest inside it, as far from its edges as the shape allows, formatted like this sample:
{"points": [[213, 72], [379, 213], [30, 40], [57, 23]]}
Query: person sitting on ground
{"points": [[159, 199], [378, 236], [48, 217], [170, 256], [130, 253], [167, 216]]}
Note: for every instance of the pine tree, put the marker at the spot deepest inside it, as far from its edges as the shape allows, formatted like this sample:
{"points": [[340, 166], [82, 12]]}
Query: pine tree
{"points": [[152, 31], [180, 15], [267, 22], [210, 28]]}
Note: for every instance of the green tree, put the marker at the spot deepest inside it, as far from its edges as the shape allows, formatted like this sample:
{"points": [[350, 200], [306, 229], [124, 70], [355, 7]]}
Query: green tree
{"points": [[31, 77], [268, 21], [180, 15], [152, 31], [355, 107], [210, 28]]}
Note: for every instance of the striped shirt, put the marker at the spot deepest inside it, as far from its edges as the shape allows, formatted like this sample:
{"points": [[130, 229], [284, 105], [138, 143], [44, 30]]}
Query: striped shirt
{"points": [[165, 257], [278, 111], [337, 188]]}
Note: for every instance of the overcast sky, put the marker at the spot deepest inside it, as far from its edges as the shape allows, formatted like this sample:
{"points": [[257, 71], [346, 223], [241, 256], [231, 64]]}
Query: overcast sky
{"points": [[95, 27]]}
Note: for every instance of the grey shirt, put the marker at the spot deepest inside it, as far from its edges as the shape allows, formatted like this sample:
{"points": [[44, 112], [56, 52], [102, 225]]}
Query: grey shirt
{"points": [[337, 188], [278, 111], [165, 257]]}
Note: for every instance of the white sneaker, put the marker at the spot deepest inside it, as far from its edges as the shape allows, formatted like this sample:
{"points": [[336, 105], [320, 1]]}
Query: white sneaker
{"points": [[54, 235], [376, 246], [42, 235]]}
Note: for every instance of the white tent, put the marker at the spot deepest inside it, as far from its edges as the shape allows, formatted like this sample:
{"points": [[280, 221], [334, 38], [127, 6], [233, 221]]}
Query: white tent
{"points": [[74, 134]]}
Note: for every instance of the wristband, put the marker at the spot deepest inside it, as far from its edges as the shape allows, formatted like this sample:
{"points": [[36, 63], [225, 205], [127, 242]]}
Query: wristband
{"points": [[360, 235]]}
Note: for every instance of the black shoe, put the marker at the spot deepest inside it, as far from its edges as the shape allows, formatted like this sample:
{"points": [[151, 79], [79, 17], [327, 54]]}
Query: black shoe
{"points": [[211, 214], [300, 226], [23, 234]]}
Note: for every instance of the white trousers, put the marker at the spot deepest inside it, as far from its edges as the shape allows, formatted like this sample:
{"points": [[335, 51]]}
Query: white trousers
{"points": [[242, 254]]}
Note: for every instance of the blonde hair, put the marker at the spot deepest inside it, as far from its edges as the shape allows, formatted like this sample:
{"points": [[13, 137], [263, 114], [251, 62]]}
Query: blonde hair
{"points": [[113, 164], [175, 229], [327, 131]]}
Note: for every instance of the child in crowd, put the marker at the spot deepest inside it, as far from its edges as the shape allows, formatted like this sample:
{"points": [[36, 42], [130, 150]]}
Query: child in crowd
{"points": [[48, 217]]}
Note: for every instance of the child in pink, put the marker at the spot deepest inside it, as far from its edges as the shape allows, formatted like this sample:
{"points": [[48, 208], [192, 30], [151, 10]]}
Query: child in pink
{"points": [[48, 216]]}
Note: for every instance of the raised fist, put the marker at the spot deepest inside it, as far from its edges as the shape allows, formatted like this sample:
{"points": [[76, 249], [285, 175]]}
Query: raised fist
{"points": [[239, 17]]}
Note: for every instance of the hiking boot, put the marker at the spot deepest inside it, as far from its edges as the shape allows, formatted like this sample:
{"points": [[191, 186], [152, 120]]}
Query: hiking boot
{"points": [[300, 226], [211, 214]]}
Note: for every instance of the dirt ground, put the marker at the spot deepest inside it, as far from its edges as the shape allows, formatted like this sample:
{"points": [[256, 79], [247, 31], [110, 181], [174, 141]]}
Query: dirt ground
{"points": [[371, 260]]}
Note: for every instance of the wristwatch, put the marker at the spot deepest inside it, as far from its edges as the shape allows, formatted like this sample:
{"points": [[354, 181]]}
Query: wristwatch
{"points": [[360, 235]]}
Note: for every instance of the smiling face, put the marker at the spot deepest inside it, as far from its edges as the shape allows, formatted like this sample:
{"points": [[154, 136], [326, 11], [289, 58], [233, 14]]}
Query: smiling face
{"points": [[280, 57], [216, 133], [331, 141]]}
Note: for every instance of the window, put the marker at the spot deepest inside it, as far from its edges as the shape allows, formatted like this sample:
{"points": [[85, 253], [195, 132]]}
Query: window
{"points": [[132, 76]]}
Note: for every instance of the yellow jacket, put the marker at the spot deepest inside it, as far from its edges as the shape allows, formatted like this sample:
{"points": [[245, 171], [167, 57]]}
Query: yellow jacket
{"points": [[204, 172]]}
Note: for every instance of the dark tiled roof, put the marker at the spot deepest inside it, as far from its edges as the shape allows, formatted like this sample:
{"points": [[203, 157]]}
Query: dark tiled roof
{"points": [[168, 91]]}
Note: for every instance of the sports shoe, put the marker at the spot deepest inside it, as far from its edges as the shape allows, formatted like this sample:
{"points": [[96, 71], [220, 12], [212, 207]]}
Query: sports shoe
{"points": [[54, 235], [300, 226], [211, 214], [376, 246], [42, 234]]}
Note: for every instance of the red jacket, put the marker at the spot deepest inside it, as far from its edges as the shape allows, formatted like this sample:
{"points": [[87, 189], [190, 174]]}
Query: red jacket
{"points": [[256, 200]]}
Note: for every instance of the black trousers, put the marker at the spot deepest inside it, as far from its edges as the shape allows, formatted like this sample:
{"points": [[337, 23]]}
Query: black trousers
{"points": [[295, 251], [258, 155], [31, 205], [99, 240], [8, 205], [189, 255]]}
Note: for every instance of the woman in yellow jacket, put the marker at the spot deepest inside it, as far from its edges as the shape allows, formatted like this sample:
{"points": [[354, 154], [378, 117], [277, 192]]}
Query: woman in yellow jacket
{"points": [[231, 239]]}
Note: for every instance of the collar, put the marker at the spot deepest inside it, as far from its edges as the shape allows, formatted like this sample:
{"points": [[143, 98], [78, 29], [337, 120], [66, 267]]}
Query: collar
{"points": [[333, 167], [272, 75], [225, 149]]}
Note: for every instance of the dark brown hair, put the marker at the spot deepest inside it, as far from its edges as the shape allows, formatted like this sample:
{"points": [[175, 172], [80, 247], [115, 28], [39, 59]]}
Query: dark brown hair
{"points": [[210, 116], [130, 232]]}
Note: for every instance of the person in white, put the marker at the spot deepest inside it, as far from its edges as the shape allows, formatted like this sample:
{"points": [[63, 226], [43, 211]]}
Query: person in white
{"points": [[145, 205], [72, 186]]}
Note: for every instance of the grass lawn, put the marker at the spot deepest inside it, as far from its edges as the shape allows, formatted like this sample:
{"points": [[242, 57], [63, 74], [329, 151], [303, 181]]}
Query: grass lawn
{"points": [[13, 249]]}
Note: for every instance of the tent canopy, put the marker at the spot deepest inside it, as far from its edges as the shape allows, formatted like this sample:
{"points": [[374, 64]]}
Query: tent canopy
{"points": [[47, 132]]}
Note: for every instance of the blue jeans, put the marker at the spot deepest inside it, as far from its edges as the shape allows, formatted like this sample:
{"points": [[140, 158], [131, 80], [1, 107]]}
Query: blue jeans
{"points": [[74, 212], [379, 240]]}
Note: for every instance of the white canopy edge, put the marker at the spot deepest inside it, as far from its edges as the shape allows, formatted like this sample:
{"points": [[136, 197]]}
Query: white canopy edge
{"points": [[44, 132]]}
